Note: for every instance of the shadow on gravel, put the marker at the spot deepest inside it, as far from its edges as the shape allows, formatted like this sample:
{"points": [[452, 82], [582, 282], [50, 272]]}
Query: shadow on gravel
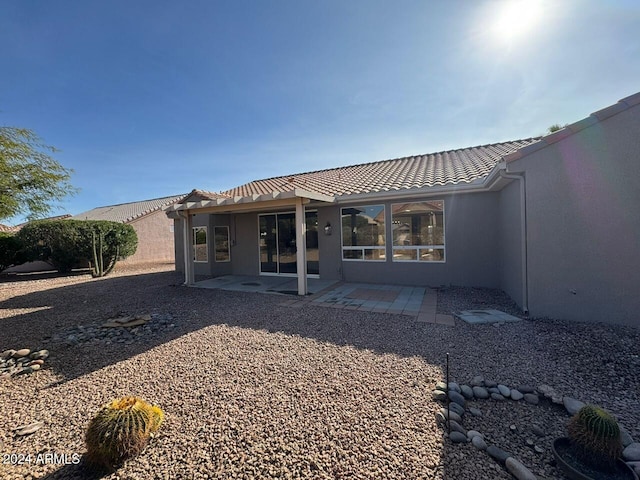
{"points": [[95, 301], [81, 470]]}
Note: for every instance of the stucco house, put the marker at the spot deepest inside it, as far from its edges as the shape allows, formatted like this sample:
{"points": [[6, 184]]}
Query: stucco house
{"points": [[154, 229], [552, 221]]}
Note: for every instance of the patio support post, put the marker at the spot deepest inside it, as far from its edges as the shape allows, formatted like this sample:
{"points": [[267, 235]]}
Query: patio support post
{"points": [[188, 249], [301, 247]]}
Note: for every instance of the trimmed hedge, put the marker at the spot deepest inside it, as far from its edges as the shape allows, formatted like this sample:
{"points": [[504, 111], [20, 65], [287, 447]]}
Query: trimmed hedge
{"points": [[68, 244], [10, 248]]}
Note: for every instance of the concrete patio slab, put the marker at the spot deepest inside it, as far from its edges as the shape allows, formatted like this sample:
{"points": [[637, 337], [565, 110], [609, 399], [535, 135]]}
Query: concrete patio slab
{"points": [[486, 316], [417, 303]]}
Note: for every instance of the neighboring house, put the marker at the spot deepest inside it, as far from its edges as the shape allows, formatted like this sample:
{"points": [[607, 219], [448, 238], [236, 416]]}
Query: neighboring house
{"points": [[154, 229], [552, 221]]}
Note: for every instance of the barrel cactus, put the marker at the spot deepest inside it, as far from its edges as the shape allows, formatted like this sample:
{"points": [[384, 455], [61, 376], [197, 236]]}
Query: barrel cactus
{"points": [[596, 435], [120, 430]]}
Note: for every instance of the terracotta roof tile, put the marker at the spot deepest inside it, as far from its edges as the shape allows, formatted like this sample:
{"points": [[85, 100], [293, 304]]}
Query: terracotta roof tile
{"points": [[436, 169], [126, 212], [7, 228]]}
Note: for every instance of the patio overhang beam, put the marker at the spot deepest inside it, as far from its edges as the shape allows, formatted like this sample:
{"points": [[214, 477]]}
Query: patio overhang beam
{"points": [[249, 203]]}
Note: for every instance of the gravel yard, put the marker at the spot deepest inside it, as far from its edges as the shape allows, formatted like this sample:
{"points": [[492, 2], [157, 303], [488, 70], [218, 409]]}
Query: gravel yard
{"points": [[252, 389]]}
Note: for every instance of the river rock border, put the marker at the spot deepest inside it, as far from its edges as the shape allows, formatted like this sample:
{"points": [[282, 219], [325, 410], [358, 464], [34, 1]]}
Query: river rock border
{"points": [[456, 395], [21, 362], [99, 332]]}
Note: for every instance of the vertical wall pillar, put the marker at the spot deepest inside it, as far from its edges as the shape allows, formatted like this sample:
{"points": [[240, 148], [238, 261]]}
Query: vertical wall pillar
{"points": [[301, 247], [189, 277]]}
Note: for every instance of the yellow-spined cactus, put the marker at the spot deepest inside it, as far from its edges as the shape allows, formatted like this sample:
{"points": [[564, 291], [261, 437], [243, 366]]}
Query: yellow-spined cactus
{"points": [[596, 435], [120, 430]]}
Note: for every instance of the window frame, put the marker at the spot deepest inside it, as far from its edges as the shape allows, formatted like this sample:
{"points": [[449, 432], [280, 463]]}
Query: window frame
{"points": [[364, 248], [194, 245], [418, 248], [215, 245]]}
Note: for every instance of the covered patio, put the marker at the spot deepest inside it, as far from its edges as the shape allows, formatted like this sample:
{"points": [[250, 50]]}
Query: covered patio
{"points": [[297, 200], [418, 303]]}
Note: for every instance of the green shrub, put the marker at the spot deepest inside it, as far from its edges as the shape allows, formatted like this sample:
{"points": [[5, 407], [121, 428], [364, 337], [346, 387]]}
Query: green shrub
{"points": [[68, 244], [120, 430], [10, 248], [596, 435]]}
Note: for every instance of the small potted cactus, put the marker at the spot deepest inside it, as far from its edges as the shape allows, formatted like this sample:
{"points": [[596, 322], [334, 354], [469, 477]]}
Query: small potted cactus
{"points": [[593, 448], [121, 430]]}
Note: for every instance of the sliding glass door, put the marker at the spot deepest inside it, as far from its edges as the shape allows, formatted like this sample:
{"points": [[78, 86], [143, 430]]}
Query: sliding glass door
{"points": [[278, 243]]}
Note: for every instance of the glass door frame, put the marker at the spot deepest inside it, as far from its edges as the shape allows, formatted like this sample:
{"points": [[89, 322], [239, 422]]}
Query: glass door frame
{"points": [[277, 242]]}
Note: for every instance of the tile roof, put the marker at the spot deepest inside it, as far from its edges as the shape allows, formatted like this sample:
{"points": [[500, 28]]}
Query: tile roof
{"points": [[436, 169], [126, 212], [7, 228]]}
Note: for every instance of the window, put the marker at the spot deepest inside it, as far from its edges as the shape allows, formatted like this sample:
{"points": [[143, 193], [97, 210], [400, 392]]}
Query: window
{"points": [[363, 233], [221, 244], [200, 252], [418, 231]]}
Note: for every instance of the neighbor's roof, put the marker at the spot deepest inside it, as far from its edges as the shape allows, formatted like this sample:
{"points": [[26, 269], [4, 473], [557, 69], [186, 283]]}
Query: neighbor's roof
{"points": [[436, 169], [126, 212], [7, 228]]}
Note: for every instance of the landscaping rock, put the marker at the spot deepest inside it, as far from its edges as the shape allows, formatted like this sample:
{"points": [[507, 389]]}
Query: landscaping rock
{"points": [[516, 395], [531, 398], [456, 427], [450, 415], [480, 392], [456, 397], [454, 386], [498, 454], [478, 381], [490, 383], [525, 388], [572, 405], [625, 437], [441, 386], [466, 391], [7, 354], [631, 453], [504, 391], [474, 433], [439, 395], [475, 412], [457, 437], [497, 396], [40, 355], [23, 352], [518, 470], [454, 407], [28, 429], [478, 442]]}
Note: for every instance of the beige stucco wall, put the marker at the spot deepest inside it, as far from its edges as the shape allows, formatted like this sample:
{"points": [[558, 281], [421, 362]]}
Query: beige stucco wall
{"points": [[155, 239], [583, 235]]}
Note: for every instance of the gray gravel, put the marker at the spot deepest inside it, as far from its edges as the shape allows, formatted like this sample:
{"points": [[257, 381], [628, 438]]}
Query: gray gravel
{"points": [[252, 389]]}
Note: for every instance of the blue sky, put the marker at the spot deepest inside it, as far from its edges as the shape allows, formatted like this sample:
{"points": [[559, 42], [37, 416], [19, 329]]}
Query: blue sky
{"points": [[147, 99]]}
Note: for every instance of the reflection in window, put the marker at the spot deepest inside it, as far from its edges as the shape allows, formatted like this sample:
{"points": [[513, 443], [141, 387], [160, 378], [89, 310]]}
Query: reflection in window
{"points": [[221, 244], [200, 253], [418, 231], [363, 233]]}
